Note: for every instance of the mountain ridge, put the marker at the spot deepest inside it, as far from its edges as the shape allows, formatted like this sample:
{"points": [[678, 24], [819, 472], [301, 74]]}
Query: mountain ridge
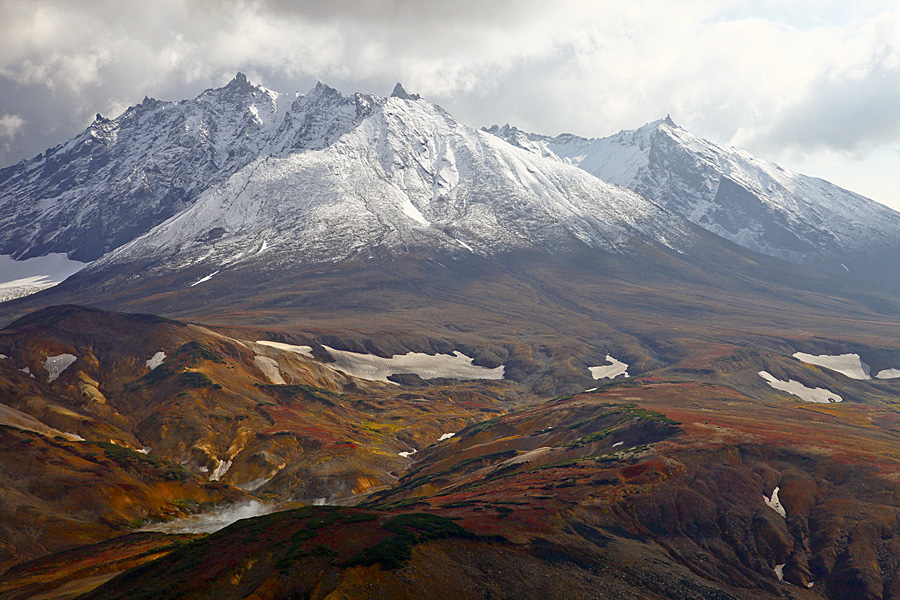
{"points": [[153, 161], [749, 201]]}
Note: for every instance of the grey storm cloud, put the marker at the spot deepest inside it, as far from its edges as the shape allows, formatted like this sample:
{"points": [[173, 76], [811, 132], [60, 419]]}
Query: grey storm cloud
{"points": [[725, 69], [852, 114]]}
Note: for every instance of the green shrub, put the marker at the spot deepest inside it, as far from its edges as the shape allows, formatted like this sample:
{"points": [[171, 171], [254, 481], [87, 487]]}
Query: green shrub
{"points": [[193, 352], [196, 380]]}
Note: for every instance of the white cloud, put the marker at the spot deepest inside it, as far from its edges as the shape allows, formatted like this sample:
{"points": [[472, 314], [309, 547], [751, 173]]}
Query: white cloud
{"points": [[780, 79], [11, 125]]}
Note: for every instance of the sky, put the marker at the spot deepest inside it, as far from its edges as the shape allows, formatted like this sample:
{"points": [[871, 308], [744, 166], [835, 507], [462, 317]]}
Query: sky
{"points": [[811, 85]]}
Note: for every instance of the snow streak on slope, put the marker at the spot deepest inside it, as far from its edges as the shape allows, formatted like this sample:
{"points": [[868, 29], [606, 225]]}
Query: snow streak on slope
{"points": [[407, 176], [749, 201]]}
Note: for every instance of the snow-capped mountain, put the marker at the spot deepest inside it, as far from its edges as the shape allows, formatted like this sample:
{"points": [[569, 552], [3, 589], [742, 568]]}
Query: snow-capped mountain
{"points": [[749, 201], [123, 176], [404, 177]]}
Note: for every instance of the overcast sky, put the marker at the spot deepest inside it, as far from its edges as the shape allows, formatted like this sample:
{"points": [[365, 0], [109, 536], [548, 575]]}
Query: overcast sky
{"points": [[812, 85]]}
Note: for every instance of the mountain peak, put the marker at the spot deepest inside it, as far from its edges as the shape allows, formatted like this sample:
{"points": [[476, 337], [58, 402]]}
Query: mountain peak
{"points": [[239, 80], [401, 93], [322, 89]]}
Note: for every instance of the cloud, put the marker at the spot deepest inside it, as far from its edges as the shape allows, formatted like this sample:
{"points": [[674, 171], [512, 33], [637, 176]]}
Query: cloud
{"points": [[11, 125], [772, 78], [848, 103]]}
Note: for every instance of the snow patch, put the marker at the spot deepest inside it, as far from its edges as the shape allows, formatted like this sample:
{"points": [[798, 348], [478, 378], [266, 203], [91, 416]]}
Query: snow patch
{"points": [[774, 503], [202, 279], [846, 364], [617, 444], [426, 366], [817, 395], [446, 436], [220, 470], [145, 450], [610, 371], [304, 350], [464, 245], [407, 454], [779, 571], [156, 360], [269, 366], [888, 374], [55, 365], [412, 212]]}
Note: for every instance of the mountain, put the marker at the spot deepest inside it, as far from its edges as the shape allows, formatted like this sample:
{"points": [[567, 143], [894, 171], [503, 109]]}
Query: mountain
{"points": [[406, 178], [123, 176], [749, 201], [499, 376]]}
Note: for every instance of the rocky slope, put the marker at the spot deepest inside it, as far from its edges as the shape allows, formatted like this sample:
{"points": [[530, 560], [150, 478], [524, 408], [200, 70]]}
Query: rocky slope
{"points": [[749, 201], [101, 432], [685, 495]]}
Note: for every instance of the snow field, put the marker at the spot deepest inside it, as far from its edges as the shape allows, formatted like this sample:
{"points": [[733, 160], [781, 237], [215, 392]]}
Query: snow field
{"points": [[55, 365], [888, 374], [221, 468], [774, 503], [847, 364], [426, 366], [156, 360], [610, 371], [795, 388]]}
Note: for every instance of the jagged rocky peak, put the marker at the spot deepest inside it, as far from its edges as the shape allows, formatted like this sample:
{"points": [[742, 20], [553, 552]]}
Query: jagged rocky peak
{"points": [[239, 81], [322, 89], [401, 93]]}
